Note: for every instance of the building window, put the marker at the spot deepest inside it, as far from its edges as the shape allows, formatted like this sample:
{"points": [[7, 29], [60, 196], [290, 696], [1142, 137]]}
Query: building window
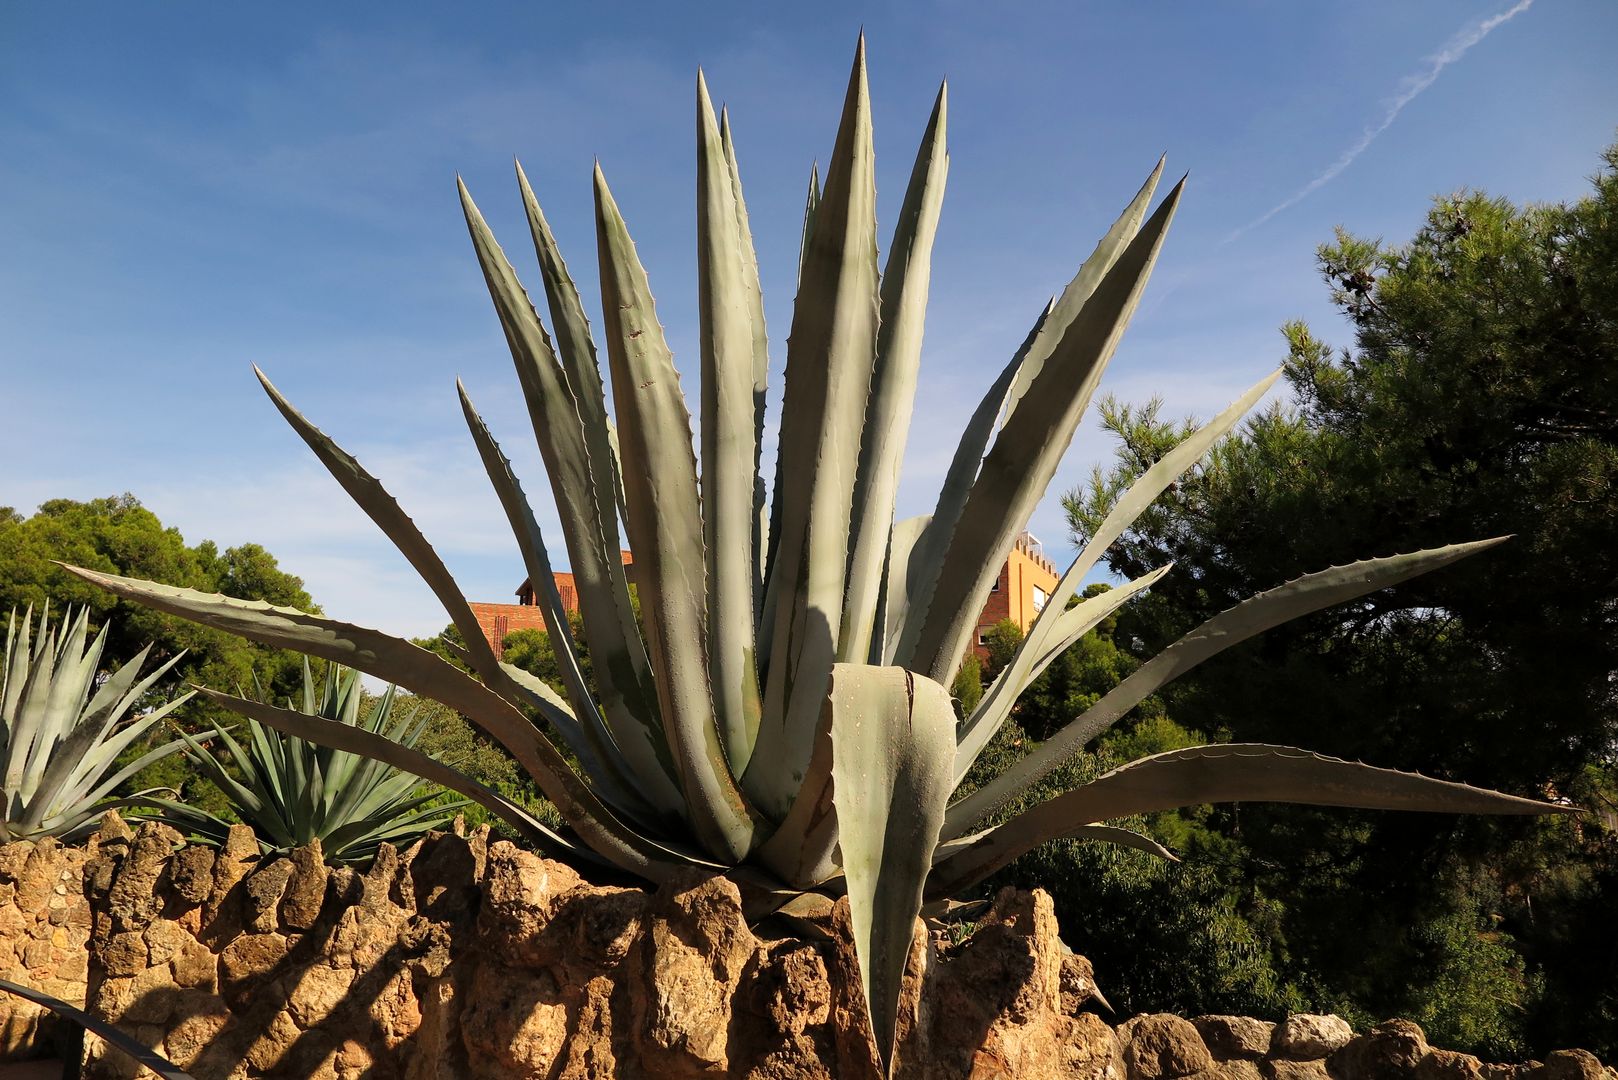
{"points": [[996, 586], [1041, 598], [983, 639]]}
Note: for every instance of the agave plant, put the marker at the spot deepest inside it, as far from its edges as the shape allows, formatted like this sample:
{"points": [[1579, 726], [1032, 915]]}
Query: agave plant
{"points": [[292, 791], [59, 745], [783, 717]]}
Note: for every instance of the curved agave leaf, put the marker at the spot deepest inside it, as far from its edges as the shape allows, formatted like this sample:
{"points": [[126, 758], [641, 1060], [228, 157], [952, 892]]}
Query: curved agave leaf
{"points": [[1074, 623], [905, 281], [829, 358], [1101, 834], [1252, 616], [761, 360], [728, 299], [381, 507], [892, 734], [577, 352], [142, 1054], [370, 744], [420, 672], [1229, 772], [1024, 457], [582, 725], [928, 548], [902, 569], [665, 526], [622, 671], [1057, 628], [1091, 273]]}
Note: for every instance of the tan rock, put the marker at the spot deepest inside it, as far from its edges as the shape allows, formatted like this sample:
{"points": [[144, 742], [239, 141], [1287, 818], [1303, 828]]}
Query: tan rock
{"points": [[1287, 1069], [194, 1029], [1449, 1065], [195, 966], [791, 988], [261, 896], [236, 859], [124, 954], [305, 889], [515, 1021], [1308, 1036], [248, 964], [696, 946], [1231, 1037], [1093, 1051], [1570, 1065], [191, 873], [1162, 1046], [1386, 1052], [164, 938], [134, 898], [521, 893], [314, 992]]}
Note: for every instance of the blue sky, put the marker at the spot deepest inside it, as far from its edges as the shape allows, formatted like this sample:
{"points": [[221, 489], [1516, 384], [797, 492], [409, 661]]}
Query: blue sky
{"points": [[191, 189]]}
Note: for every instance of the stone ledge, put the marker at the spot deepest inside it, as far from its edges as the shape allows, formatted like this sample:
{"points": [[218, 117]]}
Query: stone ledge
{"points": [[466, 957]]}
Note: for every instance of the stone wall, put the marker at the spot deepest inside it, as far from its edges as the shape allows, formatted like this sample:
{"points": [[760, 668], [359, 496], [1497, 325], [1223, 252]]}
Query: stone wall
{"points": [[466, 957], [44, 935]]}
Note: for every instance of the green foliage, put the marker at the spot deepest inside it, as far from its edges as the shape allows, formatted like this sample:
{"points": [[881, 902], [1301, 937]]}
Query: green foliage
{"points": [[292, 791], [1001, 640], [1478, 398], [62, 730], [967, 689], [119, 535]]}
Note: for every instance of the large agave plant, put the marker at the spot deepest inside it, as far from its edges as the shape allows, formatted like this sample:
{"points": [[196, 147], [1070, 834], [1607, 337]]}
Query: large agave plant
{"points": [[59, 745], [783, 716], [292, 791]]}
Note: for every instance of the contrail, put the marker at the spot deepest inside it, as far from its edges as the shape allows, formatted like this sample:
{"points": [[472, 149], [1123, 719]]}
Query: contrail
{"points": [[1409, 89]]}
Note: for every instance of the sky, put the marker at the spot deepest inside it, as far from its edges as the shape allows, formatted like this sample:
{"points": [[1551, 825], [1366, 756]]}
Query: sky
{"points": [[187, 190]]}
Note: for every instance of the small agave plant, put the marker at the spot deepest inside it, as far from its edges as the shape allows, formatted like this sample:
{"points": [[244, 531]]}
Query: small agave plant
{"points": [[292, 791], [783, 717], [59, 745]]}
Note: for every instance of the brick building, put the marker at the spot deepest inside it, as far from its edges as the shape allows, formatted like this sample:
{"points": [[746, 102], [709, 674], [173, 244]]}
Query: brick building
{"points": [[1026, 582], [499, 620], [1021, 591]]}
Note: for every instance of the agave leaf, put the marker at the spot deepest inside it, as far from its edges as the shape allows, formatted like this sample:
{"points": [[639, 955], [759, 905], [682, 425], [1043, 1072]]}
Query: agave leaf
{"points": [[829, 358], [1083, 286], [665, 527], [1054, 629], [622, 671], [929, 547], [577, 352], [1254, 615], [892, 736], [1103, 834], [761, 357], [142, 1054], [770, 533], [905, 281], [901, 571], [728, 299], [582, 725], [1024, 456], [991, 713], [1229, 772], [384, 510], [357, 740], [420, 672]]}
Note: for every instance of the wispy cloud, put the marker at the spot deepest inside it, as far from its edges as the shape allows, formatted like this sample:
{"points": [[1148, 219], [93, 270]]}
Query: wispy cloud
{"points": [[1409, 89]]}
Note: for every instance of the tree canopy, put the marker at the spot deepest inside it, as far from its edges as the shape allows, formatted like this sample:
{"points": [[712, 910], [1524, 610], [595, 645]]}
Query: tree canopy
{"points": [[1479, 397]]}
